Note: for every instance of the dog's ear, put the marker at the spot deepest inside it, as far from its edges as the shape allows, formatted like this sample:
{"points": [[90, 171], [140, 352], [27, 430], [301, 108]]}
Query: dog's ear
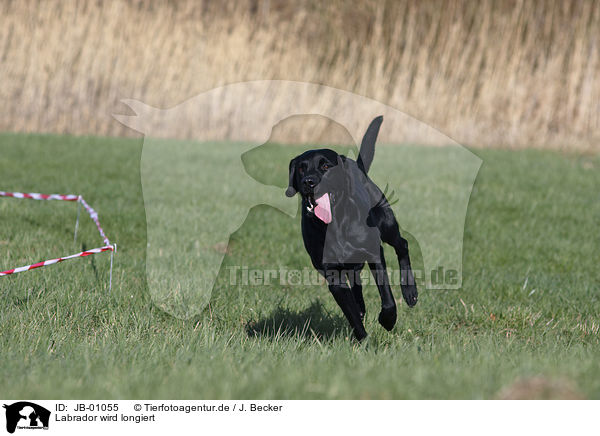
{"points": [[292, 188]]}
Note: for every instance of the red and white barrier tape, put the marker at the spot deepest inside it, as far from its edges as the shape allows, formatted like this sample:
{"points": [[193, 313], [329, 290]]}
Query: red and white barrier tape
{"points": [[93, 214], [53, 261], [35, 196]]}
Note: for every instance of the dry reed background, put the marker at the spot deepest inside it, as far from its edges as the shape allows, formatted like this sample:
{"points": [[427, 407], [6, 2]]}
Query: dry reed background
{"points": [[487, 73]]}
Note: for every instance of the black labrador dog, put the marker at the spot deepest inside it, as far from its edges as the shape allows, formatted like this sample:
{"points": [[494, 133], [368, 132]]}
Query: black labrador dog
{"points": [[345, 216]]}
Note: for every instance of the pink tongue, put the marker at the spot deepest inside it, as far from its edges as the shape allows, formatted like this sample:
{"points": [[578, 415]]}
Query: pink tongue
{"points": [[323, 209]]}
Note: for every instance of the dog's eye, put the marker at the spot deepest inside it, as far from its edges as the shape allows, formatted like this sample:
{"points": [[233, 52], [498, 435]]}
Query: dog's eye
{"points": [[300, 170], [326, 166]]}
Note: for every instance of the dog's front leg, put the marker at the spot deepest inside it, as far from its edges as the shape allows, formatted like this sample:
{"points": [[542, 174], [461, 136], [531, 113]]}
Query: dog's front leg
{"points": [[344, 297], [388, 314], [358, 294]]}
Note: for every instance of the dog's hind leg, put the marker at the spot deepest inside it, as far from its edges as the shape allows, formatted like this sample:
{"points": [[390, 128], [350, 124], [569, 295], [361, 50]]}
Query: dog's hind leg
{"points": [[388, 314], [390, 234]]}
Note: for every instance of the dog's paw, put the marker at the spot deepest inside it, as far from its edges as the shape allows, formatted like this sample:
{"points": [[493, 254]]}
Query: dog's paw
{"points": [[410, 294], [387, 317], [359, 335]]}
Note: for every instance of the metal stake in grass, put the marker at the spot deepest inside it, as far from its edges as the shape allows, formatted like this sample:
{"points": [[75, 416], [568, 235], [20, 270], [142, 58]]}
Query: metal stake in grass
{"points": [[112, 254]]}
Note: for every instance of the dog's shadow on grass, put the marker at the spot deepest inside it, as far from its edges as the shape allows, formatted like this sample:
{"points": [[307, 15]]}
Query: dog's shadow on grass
{"points": [[312, 322]]}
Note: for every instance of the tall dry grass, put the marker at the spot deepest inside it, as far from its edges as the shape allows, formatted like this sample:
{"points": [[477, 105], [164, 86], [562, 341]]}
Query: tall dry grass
{"points": [[487, 73]]}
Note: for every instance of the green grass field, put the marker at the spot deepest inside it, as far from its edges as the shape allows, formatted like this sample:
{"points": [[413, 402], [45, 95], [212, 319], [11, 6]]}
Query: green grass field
{"points": [[529, 305]]}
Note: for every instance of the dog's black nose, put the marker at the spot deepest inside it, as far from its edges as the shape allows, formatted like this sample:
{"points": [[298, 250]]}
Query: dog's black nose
{"points": [[309, 182]]}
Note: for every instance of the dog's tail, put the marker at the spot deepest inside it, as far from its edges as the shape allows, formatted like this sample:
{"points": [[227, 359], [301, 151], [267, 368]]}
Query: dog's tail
{"points": [[367, 146]]}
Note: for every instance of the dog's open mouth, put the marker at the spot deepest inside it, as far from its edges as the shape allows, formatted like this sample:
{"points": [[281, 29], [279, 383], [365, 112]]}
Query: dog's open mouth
{"points": [[321, 207]]}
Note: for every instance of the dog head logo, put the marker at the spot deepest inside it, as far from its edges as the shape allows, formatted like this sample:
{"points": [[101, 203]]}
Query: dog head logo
{"points": [[26, 415], [197, 193]]}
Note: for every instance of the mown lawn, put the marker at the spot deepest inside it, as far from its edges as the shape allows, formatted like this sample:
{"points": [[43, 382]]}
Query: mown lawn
{"points": [[528, 308]]}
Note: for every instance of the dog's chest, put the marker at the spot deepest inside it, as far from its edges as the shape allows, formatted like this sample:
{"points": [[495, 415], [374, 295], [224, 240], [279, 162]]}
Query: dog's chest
{"points": [[340, 242]]}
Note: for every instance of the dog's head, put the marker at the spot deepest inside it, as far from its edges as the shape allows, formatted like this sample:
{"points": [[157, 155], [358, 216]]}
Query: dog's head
{"points": [[319, 177]]}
